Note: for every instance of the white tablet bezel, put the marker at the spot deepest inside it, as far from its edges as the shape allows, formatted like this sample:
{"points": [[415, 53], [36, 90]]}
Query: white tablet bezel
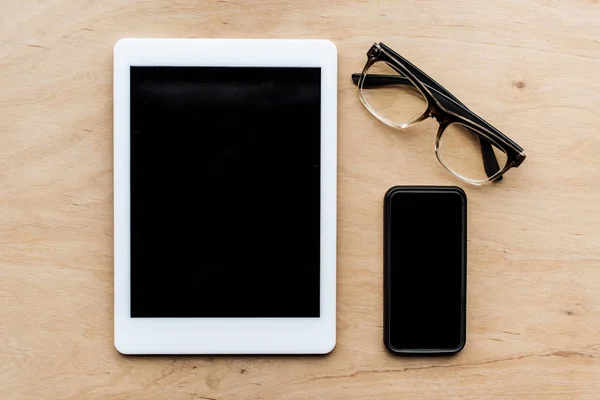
{"points": [[224, 335]]}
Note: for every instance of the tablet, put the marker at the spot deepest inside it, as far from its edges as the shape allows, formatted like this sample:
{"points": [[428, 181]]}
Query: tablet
{"points": [[225, 196]]}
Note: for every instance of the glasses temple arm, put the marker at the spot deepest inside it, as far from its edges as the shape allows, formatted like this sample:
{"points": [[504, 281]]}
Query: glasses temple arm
{"points": [[490, 163]]}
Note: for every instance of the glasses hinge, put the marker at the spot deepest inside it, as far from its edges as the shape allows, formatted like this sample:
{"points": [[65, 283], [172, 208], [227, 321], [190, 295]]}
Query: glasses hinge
{"points": [[518, 159], [374, 51]]}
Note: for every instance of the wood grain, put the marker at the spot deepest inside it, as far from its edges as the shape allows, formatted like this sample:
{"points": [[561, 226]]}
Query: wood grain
{"points": [[529, 67]]}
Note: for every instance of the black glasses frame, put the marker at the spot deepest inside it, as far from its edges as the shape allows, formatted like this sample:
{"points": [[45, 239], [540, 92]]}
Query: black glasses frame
{"points": [[444, 108]]}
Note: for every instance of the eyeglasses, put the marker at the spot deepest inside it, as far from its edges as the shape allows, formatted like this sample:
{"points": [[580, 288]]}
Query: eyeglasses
{"points": [[401, 95]]}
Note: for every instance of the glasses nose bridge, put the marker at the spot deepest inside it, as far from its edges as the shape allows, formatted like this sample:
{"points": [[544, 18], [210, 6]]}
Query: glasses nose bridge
{"points": [[435, 114]]}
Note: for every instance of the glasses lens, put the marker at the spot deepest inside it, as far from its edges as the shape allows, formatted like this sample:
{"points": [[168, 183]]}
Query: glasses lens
{"points": [[391, 96], [462, 153]]}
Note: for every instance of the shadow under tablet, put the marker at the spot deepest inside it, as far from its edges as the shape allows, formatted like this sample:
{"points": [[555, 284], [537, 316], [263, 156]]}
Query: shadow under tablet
{"points": [[225, 192]]}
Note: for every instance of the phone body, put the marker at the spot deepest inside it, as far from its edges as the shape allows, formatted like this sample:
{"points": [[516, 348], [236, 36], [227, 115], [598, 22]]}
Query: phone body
{"points": [[425, 269]]}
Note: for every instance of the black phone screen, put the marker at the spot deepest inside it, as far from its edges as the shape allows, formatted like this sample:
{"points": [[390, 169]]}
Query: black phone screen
{"points": [[425, 270], [225, 192]]}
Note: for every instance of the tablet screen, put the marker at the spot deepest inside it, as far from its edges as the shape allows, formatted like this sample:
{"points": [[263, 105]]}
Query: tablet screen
{"points": [[225, 192]]}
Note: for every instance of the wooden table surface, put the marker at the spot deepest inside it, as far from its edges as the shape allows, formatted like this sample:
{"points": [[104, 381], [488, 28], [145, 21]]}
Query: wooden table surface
{"points": [[532, 68]]}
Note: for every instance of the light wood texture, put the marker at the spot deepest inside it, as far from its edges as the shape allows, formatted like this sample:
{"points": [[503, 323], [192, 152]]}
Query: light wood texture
{"points": [[529, 67]]}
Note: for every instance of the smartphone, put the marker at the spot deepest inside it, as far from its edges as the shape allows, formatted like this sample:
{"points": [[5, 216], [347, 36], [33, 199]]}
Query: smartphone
{"points": [[425, 269]]}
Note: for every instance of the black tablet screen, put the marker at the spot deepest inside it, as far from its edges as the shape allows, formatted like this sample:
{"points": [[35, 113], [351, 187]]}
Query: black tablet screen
{"points": [[225, 192]]}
